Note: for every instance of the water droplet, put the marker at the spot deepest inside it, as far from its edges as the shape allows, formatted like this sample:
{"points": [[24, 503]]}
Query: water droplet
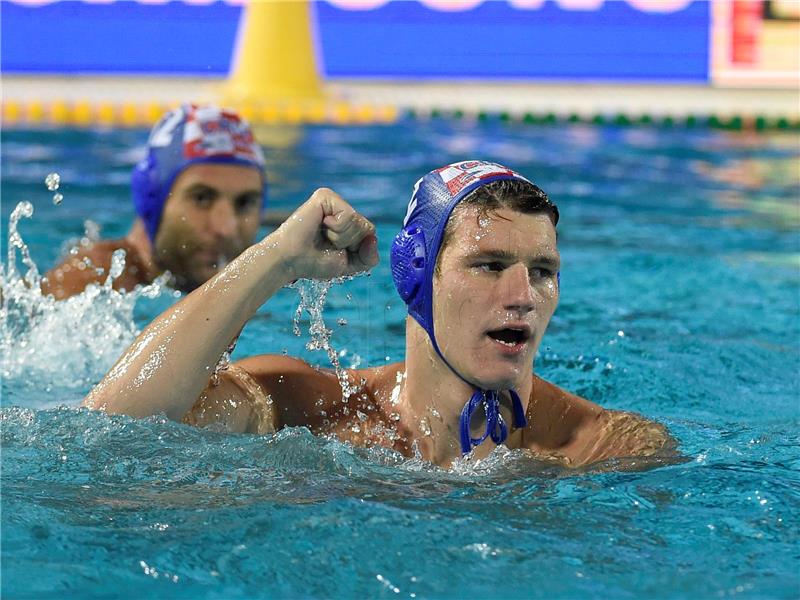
{"points": [[57, 198], [52, 181], [424, 427], [341, 322], [361, 416], [117, 264]]}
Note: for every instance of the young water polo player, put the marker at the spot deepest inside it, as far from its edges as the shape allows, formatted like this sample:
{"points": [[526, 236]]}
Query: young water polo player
{"points": [[478, 266], [198, 195]]}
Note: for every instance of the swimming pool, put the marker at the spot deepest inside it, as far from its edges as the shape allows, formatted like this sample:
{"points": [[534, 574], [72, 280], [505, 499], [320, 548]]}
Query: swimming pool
{"points": [[680, 300]]}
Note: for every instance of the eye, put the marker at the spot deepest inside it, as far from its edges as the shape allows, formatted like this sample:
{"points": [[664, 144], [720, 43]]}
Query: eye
{"points": [[541, 273], [489, 266], [202, 198], [247, 203]]}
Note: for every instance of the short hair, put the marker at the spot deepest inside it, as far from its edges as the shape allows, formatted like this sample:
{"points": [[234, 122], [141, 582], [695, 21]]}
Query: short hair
{"points": [[513, 194]]}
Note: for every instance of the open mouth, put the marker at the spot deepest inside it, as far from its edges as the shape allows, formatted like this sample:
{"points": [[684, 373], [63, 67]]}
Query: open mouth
{"points": [[510, 336]]}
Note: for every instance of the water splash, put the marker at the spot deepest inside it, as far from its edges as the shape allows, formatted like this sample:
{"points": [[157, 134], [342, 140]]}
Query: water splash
{"points": [[92, 328], [313, 294]]}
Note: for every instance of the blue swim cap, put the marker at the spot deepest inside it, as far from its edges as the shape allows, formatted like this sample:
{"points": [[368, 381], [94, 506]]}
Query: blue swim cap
{"points": [[185, 136], [413, 260]]}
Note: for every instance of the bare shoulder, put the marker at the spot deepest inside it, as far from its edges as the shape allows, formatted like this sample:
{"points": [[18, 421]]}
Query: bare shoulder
{"points": [[261, 394], [274, 371], [619, 434], [300, 391], [555, 415], [583, 432], [306, 395]]}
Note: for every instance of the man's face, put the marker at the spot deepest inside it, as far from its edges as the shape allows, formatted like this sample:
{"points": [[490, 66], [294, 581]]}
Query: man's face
{"points": [[211, 215], [495, 294]]}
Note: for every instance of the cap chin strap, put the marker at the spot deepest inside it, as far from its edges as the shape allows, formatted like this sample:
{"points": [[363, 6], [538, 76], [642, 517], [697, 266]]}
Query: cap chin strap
{"points": [[490, 400], [495, 426]]}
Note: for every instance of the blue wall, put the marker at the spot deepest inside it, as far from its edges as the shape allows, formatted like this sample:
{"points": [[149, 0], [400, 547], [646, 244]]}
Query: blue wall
{"points": [[122, 37], [404, 40], [495, 40]]}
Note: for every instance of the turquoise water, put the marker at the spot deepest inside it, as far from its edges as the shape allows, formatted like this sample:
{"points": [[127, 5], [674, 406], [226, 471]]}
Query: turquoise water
{"points": [[680, 300]]}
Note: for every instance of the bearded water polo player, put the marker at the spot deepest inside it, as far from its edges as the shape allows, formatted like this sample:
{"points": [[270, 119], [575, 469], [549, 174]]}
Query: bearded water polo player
{"points": [[478, 266], [198, 195]]}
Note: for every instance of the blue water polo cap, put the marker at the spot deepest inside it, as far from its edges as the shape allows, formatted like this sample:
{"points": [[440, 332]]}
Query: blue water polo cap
{"points": [[189, 135], [413, 261], [416, 247]]}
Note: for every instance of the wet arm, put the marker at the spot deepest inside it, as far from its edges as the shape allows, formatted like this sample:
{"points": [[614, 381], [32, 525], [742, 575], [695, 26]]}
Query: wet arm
{"points": [[170, 363]]}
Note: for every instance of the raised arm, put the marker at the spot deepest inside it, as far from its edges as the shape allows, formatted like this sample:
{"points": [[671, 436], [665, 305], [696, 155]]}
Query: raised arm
{"points": [[170, 363]]}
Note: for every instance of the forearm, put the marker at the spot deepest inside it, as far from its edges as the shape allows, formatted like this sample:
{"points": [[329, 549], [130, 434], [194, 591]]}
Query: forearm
{"points": [[170, 363]]}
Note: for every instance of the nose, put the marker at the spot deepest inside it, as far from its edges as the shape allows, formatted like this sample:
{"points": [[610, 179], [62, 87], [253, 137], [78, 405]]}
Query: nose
{"points": [[517, 289], [222, 220]]}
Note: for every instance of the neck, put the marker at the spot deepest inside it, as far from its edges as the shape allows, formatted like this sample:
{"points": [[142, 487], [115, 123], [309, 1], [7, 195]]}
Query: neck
{"points": [[138, 239], [433, 397]]}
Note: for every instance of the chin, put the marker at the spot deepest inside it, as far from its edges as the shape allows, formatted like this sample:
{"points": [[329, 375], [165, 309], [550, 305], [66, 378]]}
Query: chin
{"points": [[502, 379]]}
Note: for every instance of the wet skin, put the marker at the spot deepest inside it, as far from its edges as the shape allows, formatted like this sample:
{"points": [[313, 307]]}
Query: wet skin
{"points": [[494, 295], [210, 217], [505, 265]]}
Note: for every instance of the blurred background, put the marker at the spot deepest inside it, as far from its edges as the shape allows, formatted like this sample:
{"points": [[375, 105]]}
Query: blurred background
{"points": [[736, 62]]}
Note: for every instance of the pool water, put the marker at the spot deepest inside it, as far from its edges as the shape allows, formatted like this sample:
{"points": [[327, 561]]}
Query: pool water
{"points": [[680, 299]]}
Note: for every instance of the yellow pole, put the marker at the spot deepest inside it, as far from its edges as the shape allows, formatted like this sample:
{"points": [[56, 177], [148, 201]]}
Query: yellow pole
{"points": [[274, 57]]}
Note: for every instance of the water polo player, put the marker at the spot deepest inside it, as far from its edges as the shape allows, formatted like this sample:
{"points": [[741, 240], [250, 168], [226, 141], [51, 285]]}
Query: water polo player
{"points": [[198, 194], [478, 266]]}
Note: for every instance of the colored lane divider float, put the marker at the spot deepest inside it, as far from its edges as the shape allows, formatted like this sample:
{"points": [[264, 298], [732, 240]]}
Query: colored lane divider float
{"points": [[126, 114], [87, 114]]}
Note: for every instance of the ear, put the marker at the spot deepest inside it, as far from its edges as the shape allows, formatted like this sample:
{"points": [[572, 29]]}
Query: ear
{"points": [[408, 263]]}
